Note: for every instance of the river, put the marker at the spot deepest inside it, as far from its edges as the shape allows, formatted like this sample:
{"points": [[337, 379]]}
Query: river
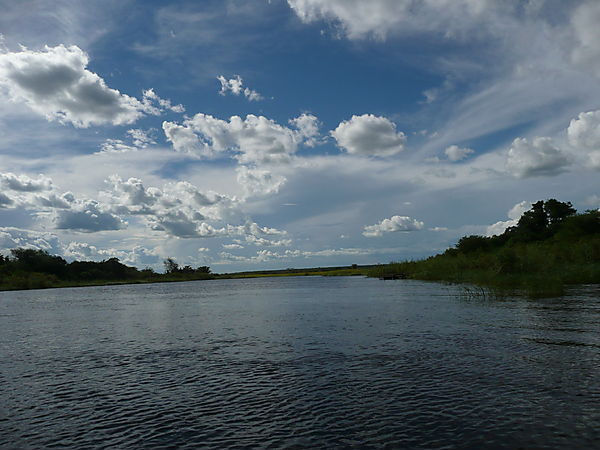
{"points": [[298, 362]]}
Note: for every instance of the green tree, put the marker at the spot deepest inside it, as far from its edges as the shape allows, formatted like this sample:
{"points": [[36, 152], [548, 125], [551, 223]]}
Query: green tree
{"points": [[557, 211], [171, 266]]}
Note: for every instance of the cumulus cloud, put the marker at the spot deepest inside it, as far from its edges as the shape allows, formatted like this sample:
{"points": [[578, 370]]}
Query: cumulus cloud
{"points": [[258, 182], [137, 139], [11, 237], [262, 242], [392, 225], [179, 209], [308, 127], [82, 251], [54, 82], [254, 139], [182, 210], [142, 138], [455, 153], [540, 157], [514, 215], [27, 192], [153, 104], [24, 183], [116, 146], [87, 216], [67, 212], [138, 256], [232, 246], [235, 85], [584, 136], [369, 135]]}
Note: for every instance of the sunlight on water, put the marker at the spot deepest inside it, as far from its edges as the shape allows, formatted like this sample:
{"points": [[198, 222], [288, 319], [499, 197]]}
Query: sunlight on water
{"points": [[297, 362]]}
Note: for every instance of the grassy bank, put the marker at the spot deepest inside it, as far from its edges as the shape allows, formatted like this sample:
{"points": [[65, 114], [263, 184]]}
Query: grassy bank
{"points": [[354, 270], [537, 257], [36, 280]]}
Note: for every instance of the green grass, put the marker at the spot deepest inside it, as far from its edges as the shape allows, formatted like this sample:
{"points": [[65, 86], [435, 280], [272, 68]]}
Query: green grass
{"points": [[537, 269]]}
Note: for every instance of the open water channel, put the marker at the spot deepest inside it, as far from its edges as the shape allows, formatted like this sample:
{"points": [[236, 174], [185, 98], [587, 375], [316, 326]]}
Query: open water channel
{"points": [[299, 362]]}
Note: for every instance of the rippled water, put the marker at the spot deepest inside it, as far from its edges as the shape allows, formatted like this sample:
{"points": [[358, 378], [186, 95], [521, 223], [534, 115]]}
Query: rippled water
{"points": [[297, 362]]}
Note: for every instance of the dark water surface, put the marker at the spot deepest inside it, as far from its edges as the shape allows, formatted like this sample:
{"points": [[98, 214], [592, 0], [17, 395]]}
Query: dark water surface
{"points": [[297, 362]]}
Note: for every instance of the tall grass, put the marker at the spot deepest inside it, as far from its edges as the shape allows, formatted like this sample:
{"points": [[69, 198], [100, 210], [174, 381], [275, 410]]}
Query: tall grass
{"points": [[539, 269]]}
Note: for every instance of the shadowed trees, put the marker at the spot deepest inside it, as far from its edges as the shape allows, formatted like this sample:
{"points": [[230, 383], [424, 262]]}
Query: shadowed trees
{"points": [[550, 246], [33, 268]]}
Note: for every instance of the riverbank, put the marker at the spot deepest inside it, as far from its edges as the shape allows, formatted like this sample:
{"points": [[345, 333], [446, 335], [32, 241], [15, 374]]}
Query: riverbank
{"points": [[540, 256], [35, 280], [549, 248]]}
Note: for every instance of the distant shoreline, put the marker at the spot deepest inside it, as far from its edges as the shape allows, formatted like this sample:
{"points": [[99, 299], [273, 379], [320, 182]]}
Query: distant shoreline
{"points": [[550, 247]]}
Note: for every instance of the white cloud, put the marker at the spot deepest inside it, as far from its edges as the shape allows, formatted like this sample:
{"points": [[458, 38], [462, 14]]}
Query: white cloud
{"points": [[258, 182], [232, 246], [391, 225], [54, 82], [369, 135], [139, 139], [235, 85], [255, 139], [185, 140], [30, 193], [155, 105], [24, 183], [584, 136], [262, 242], [514, 214], [269, 255], [11, 237], [82, 251], [142, 138], [455, 153], [67, 212], [377, 18], [182, 210], [539, 157], [308, 127], [116, 146], [87, 216], [585, 22], [179, 209], [138, 256]]}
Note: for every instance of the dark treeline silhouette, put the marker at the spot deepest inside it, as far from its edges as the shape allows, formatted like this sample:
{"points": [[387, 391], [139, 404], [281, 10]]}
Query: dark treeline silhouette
{"points": [[550, 246], [27, 268], [171, 267]]}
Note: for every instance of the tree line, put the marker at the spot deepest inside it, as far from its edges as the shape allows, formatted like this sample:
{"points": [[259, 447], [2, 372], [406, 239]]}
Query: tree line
{"points": [[26, 268], [551, 246]]}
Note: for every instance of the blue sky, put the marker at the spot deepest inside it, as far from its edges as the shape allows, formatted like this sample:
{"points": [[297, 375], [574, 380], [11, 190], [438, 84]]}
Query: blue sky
{"points": [[257, 134]]}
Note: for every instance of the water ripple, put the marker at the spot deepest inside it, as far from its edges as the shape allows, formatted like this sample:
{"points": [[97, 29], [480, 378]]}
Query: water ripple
{"points": [[297, 363]]}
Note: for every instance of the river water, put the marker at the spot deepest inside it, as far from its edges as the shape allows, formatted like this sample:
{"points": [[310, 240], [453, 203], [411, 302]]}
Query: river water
{"points": [[299, 362]]}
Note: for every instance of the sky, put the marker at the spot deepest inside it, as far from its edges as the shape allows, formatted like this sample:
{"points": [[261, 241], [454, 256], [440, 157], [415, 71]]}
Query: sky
{"points": [[257, 134]]}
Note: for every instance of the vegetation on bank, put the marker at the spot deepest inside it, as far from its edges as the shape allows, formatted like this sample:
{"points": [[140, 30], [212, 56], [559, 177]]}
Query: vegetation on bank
{"points": [[353, 270], [37, 269], [550, 247]]}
